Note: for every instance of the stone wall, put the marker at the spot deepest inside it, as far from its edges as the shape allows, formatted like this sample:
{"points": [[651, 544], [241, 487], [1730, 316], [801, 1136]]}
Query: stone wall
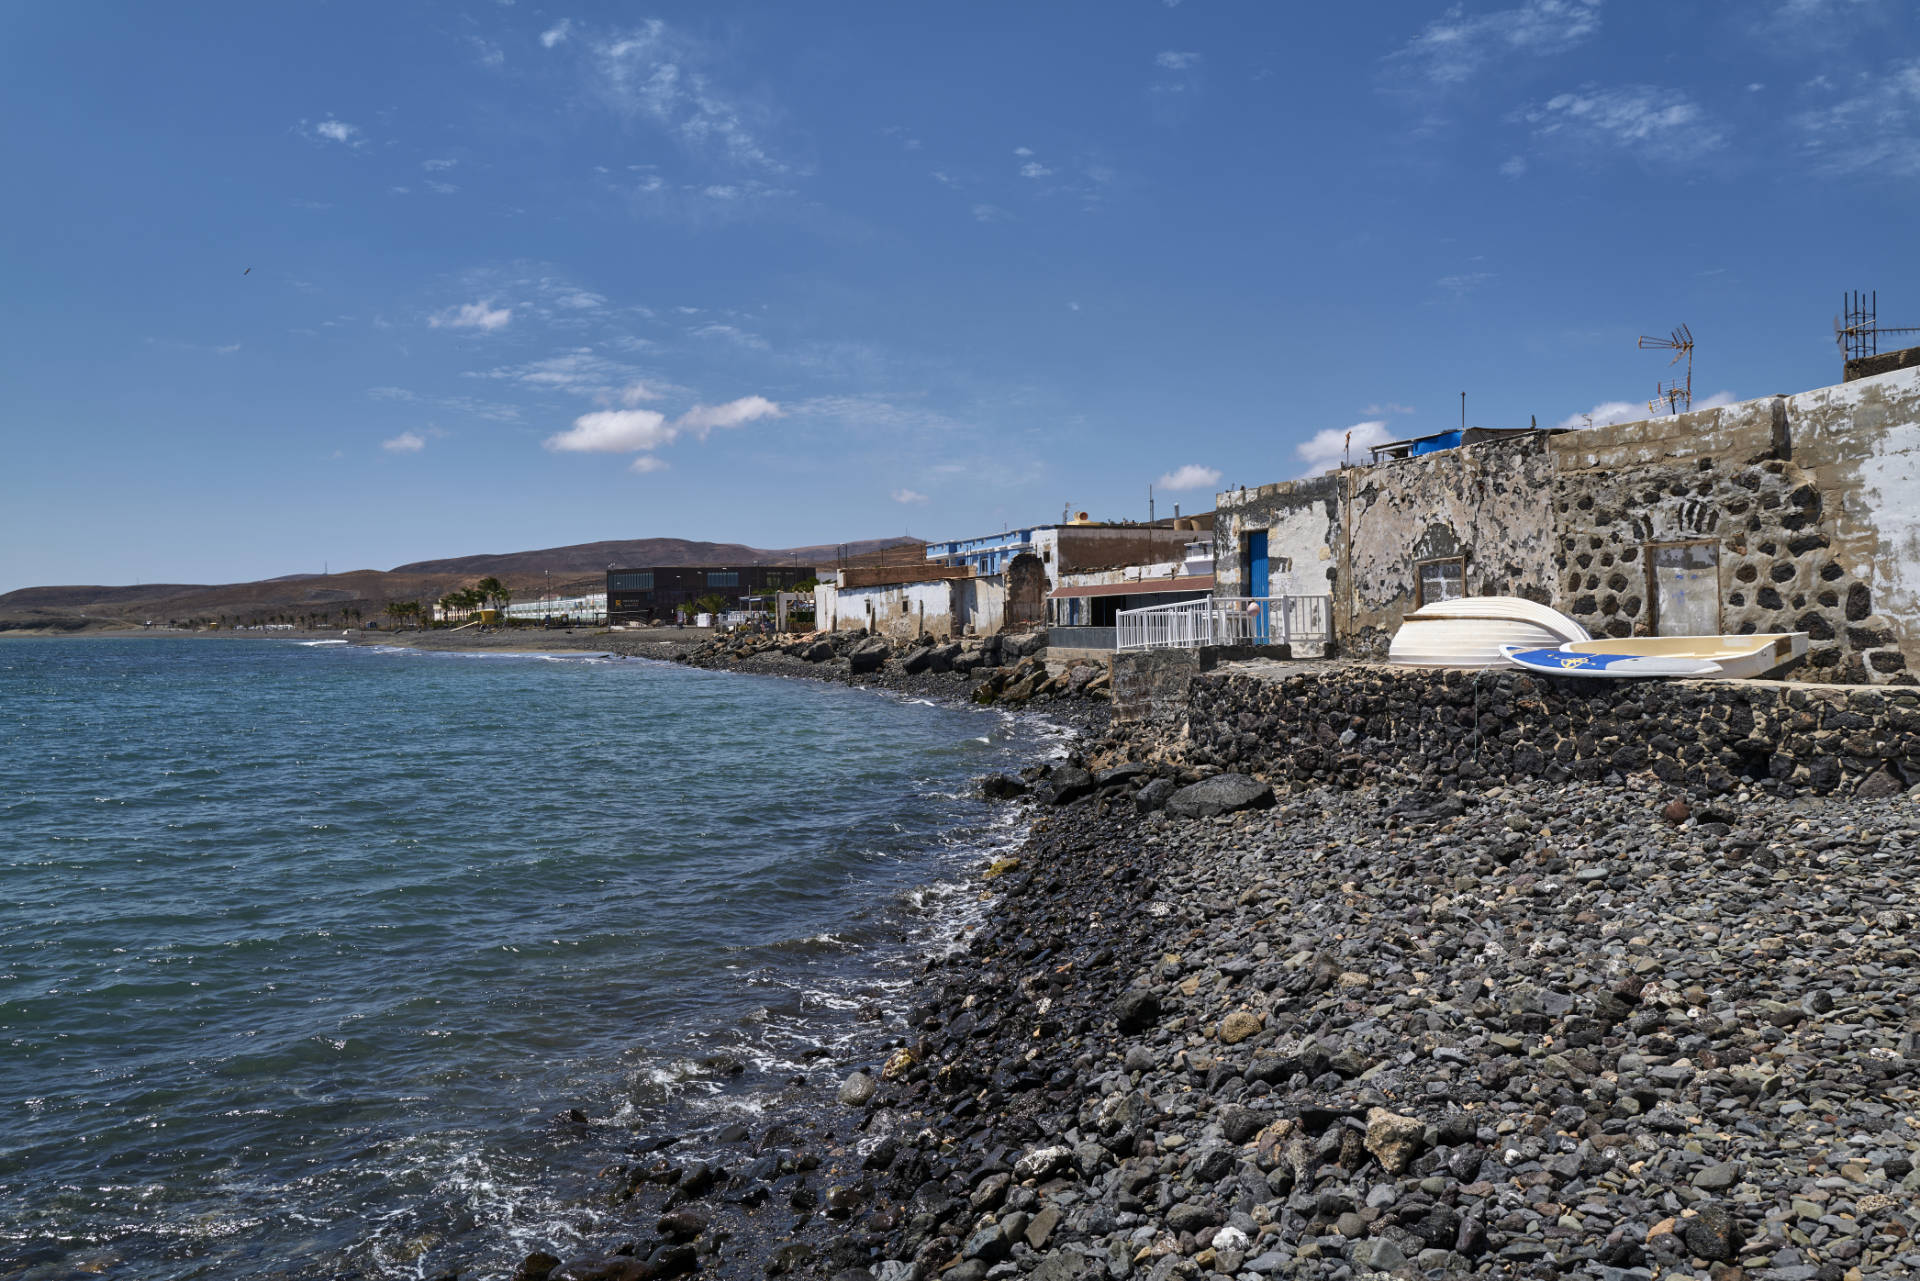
{"points": [[1486, 504], [1353, 723]]}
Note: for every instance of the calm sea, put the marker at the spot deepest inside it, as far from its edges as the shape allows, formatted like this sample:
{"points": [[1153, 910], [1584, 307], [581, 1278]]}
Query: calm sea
{"points": [[302, 945]]}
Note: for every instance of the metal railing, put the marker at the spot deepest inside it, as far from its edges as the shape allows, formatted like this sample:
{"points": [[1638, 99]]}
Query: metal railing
{"points": [[1227, 620]]}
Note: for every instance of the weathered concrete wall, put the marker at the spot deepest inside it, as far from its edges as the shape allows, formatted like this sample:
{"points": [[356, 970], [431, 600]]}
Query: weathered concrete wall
{"points": [[901, 611], [1302, 523], [1351, 724], [980, 605], [1859, 446], [1487, 503]]}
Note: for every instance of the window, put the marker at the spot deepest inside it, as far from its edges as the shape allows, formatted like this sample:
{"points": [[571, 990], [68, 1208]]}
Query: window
{"points": [[632, 582], [1438, 580], [723, 578]]}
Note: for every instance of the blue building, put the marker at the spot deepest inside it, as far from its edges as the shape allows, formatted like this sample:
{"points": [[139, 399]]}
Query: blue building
{"points": [[988, 555]]}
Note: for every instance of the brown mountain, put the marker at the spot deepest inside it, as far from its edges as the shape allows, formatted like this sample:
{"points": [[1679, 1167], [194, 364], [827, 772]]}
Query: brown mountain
{"points": [[327, 598]]}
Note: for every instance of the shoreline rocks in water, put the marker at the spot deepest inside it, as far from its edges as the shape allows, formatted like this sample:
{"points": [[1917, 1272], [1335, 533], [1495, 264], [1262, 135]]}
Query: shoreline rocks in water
{"points": [[1536, 1030]]}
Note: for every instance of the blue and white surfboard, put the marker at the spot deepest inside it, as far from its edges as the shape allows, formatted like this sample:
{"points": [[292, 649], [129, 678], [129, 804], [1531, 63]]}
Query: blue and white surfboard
{"points": [[1561, 662]]}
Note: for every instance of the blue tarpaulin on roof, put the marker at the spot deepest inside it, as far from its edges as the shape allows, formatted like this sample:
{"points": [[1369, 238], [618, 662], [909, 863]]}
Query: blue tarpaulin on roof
{"points": [[1434, 444]]}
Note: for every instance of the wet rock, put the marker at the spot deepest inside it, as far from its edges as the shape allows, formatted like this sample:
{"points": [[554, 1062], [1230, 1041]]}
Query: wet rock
{"points": [[536, 1266], [1222, 794], [1070, 783], [857, 1089], [1002, 787]]}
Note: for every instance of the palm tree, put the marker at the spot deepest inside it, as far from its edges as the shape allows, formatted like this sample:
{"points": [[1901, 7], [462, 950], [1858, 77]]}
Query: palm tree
{"points": [[493, 592]]}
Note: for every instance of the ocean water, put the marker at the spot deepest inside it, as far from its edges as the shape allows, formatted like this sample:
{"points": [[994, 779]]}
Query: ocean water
{"points": [[302, 946]]}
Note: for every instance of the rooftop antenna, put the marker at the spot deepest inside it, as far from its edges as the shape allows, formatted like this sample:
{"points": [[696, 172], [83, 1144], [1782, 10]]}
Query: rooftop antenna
{"points": [[1678, 395], [1858, 335], [1463, 411], [1149, 504]]}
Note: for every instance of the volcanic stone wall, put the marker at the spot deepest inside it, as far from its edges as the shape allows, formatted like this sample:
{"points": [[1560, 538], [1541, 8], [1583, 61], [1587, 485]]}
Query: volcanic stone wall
{"points": [[1357, 723]]}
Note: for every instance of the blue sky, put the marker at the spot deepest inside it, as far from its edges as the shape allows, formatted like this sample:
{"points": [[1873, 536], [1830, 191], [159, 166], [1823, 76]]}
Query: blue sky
{"points": [[528, 273]]}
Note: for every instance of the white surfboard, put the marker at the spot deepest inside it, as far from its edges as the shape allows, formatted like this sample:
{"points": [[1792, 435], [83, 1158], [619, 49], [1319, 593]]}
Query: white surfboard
{"points": [[1563, 662]]}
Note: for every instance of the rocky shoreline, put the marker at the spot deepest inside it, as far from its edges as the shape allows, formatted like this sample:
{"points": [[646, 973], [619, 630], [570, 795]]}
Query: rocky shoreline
{"points": [[1419, 1027], [1533, 1030]]}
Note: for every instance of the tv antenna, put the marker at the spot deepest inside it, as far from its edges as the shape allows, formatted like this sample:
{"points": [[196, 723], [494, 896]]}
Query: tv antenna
{"points": [[1677, 395], [1858, 334]]}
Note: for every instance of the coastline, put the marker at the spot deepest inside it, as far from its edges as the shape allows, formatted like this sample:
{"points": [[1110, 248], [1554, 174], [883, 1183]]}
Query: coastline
{"points": [[1522, 1030]]}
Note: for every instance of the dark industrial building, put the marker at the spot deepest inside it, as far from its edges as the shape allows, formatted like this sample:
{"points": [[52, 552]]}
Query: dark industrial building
{"points": [[662, 592]]}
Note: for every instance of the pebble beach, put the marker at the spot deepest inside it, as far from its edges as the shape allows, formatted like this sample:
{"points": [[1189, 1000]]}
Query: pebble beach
{"points": [[1607, 1030]]}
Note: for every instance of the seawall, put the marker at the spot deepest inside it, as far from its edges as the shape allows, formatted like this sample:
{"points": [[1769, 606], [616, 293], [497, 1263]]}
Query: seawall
{"points": [[1348, 724]]}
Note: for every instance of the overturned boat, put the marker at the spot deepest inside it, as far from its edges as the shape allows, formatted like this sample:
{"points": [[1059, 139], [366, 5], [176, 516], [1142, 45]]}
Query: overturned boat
{"points": [[1699, 657], [1471, 631]]}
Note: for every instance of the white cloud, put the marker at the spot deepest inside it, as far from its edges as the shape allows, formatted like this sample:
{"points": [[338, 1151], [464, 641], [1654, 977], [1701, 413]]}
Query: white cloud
{"points": [[579, 372], [405, 443], [1649, 122], [434, 166], [441, 188], [1454, 48], [702, 419], [1719, 400], [1174, 60], [1023, 151], [908, 496], [1513, 167], [1873, 128], [474, 315], [332, 130], [990, 213], [647, 463], [1606, 414], [652, 73], [556, 33], [634, 393], [1191, 476], [944, 178], [730, 333], [1329, 448], [627, 431], [1390, 407], [614, 431], [1034, 169]]}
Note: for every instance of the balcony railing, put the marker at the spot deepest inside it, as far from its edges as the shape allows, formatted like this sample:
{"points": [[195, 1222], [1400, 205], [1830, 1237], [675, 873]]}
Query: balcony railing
{"points": [[1227, 620]]}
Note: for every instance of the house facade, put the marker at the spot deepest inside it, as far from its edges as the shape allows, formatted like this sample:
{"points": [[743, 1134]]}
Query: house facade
{"points": [[1784, 513]]}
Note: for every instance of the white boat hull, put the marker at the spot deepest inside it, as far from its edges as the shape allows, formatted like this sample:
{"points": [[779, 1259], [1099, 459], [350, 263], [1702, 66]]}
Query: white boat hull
{"points": [[1470, 632], [1463, 642]]}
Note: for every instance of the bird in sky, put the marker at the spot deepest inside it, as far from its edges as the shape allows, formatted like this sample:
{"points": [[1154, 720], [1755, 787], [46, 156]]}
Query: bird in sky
{"points": [[247, 271]]}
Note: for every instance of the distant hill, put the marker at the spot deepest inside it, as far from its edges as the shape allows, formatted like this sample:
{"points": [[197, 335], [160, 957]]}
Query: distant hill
{"points": [[306, 597], [593, 558]]}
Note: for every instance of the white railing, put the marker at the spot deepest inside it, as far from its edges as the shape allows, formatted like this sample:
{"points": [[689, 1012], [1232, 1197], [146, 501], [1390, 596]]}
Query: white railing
{"points": [[1226, 620]]}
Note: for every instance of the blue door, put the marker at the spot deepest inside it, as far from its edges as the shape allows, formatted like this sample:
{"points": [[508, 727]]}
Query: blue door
{"points": [[1257, 582]]}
